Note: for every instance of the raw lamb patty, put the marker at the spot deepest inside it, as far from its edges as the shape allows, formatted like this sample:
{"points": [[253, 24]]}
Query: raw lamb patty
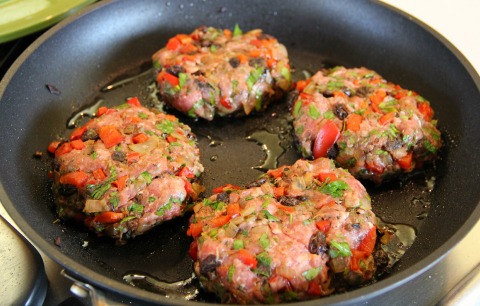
{"points": [[370, 126], [126, 171], [298, 232], [219, 72]]}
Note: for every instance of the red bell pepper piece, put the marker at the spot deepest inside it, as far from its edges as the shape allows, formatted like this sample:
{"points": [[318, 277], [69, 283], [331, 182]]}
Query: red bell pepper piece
{"points": [[368, 243], [353, 122], [108, 217], [110, 136], [139, 138], [78, 132], [326, 138], [134, 101], [247, 258], [77, 179]]}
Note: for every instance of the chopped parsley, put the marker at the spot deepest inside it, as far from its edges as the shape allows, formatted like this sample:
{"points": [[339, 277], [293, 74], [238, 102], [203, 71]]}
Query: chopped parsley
{"points": [[264, 259], [97, 191], [428, 145], [166, 126], [147, 177], [136, 208], [285, 72], [335, 188]]}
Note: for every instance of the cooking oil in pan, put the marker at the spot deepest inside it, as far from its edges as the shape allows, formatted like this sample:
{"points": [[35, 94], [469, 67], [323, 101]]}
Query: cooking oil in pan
{"points": [[270, 144], [396, 239], [182, 290], [88, 111]]}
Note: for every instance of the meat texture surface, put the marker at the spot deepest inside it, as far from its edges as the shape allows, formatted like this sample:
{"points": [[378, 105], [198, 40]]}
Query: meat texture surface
{"points": [[219, 72], [126, 171], [370, 126], [298, 232]]}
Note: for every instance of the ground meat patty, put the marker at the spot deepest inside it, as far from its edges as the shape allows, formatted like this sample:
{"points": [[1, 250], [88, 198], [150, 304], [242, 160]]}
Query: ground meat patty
{"points": [[379, 129], [297, 233], [213, 71], [126, 171]]}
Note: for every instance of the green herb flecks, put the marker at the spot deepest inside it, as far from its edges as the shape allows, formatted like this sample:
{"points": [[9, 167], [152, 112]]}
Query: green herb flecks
{"points": [[429, 146], [114, 199], [97, 191], [311, 274], [335, 188], [339, 249], [166, 126], [231, 273], [269, 216], [313, 112], [136, 208], [182, 79], [238, 244], [296, 107], [253, 77], [264, 241], [147, 177], [237, 31], [264, 259]]}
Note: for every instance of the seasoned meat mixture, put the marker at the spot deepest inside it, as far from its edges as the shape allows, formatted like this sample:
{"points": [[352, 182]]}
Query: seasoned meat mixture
{"points": [[126, 171], [368, 125], [219, 72], [298, 232]]}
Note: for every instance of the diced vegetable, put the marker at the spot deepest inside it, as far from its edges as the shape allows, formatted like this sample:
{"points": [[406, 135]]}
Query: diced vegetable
{"points": [[326, 138], [110, 135]]}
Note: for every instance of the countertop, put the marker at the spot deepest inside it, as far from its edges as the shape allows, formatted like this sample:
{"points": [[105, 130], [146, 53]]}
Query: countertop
{"points": [[458, 21]]}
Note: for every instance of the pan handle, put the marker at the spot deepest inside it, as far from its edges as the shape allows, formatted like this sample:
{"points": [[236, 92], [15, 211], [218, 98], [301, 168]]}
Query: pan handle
{"points": [[84, 291]]}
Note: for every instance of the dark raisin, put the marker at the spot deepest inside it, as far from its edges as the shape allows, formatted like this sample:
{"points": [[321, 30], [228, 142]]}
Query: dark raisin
{"points": [[209, 264], [175, 70], [257, 62], [202, 85], [363, 91], [289, 201], [340, 110], [392, 145], [328, 93], [262, 180], [206, 43], [318, 243], [356, 225], [234, 62], [264, 36], [333, 152], [90, 134], [67, 190], [347, 91], [223, 197], [119, 156]]}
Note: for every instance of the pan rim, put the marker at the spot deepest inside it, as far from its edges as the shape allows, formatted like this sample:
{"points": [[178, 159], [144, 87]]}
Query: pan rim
{"points": [[105, 283]]}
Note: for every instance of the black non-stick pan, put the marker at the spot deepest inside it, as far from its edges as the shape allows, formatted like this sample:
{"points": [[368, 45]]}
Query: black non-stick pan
{"points": [[115, 39]]}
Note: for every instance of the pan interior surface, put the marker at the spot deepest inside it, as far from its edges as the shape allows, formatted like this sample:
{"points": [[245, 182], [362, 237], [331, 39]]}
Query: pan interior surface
{"points": [[84, 54]]}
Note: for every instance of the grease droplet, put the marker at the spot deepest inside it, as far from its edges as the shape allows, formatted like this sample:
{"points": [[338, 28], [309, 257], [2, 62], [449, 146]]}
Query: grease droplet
{"points": [[270, 144]]}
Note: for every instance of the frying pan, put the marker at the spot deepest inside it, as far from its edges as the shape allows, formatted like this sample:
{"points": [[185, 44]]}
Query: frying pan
{"points": [[115, 39]]}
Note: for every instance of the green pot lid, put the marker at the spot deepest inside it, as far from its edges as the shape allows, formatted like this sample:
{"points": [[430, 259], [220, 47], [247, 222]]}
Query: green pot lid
{"points": [[23, 17]]}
